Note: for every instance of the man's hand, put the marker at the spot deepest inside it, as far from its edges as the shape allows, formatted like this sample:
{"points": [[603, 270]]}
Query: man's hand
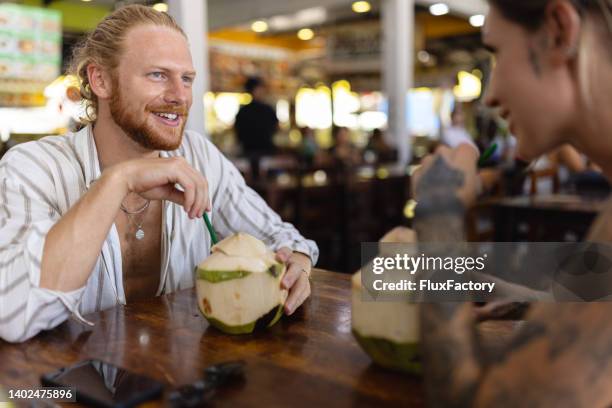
{"points": [[156, 179], [296, 279]]}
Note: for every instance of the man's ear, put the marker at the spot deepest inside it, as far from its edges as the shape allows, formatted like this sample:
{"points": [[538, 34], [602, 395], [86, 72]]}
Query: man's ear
{"points": [[563, 25], [99, 81]]}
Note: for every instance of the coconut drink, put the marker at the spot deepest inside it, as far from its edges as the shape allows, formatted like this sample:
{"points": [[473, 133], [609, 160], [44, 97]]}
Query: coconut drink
{"points": [[239, 285], [387, 331]]}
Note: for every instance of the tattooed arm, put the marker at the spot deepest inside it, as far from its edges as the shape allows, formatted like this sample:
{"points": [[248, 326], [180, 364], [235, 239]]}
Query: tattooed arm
{"points": [[561, 357], [449, 345]]}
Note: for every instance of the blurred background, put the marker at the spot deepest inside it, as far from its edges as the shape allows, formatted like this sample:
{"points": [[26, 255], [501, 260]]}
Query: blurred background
{"points": [[325, 106]]}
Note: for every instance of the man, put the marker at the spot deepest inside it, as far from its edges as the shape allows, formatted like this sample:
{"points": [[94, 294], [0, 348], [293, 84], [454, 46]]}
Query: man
{"points": [[114, 212], [256, 124]]}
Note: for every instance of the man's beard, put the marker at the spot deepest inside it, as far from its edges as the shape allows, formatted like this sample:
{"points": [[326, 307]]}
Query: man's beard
{"points": [[140, 130]]}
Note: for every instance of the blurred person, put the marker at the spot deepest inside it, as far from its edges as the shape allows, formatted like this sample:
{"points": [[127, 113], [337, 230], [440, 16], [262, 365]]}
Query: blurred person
{"points": [[456, 133], [577, 173], [569, 158], [256, 123], [552, 81], [379, 146], [344, 151], [94, 219], [309, 148]]}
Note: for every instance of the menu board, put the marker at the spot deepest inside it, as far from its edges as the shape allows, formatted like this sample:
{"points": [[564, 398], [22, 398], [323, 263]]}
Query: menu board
{"points": [[30, 43]]}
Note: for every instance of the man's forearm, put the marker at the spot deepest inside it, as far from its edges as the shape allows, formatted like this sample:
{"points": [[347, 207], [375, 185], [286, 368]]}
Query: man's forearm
{"points": [[74, 243]]}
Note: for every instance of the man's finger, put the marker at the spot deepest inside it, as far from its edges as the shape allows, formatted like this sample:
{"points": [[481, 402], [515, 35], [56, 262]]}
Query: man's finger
{"points": [[174, 195], [294, 271], [297, 295]]}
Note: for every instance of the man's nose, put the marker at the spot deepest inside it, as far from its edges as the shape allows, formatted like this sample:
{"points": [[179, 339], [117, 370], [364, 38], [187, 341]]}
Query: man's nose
{"points": [[177, 92]]}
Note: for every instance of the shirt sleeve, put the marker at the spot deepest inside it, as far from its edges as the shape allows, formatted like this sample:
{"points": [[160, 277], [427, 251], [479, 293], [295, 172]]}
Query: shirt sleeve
{"points": [[237, 208], [27, 213]]}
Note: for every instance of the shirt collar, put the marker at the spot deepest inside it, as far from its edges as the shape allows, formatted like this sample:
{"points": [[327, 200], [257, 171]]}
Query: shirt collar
{"points": [[87, 154]]}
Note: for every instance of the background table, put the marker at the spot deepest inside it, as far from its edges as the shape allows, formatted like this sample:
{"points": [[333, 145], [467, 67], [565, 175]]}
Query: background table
{"points": [[558, 217]]}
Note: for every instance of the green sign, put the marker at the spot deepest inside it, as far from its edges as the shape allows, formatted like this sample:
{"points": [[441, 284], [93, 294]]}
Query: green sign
{"points": [[30, 43]]}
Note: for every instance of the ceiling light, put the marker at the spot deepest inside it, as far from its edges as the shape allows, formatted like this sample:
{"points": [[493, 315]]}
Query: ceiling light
{"points": [[259, 26], [314, 15], [161, 7], [361, 7], [305, 34], [86, 1], [438, 9], [281, 23], [477, 20]]}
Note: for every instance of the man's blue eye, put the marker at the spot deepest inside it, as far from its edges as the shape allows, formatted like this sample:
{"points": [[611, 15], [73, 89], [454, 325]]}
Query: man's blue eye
{"points": [[156, 75]]}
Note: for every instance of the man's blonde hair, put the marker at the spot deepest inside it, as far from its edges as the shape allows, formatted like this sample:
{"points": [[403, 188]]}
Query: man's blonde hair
{"points": [[104, 46]]}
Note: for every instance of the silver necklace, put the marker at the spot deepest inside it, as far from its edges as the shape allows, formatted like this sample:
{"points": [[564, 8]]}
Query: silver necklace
{"points": [[139, 231]]}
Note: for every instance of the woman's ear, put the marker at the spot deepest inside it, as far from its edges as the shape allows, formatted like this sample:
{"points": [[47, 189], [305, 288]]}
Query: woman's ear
{"points": [[99, 81], [563, 26]]}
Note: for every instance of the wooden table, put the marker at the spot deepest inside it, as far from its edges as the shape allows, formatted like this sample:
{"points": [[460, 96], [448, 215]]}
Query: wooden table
{"points": [[307, 360], [552, 218]]}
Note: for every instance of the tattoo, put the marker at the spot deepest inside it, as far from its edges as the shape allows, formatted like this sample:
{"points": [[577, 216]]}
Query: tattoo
{"points": [[439, 214], [530, 332], [535, 61], [451, 360], [439, 180]]}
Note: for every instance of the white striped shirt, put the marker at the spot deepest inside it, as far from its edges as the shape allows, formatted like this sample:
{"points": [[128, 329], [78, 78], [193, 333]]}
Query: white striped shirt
{"points": [[40, 181]]}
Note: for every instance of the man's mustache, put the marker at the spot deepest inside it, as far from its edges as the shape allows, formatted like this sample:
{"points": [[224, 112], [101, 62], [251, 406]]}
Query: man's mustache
{"points": [[180, 110]]}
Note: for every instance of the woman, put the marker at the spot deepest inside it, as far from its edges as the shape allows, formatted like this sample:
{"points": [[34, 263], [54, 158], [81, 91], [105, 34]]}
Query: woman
{"points": [[552, 81]]}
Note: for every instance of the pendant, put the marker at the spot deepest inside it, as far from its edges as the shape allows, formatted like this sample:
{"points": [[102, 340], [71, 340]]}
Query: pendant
{"points": [[139, 234]]}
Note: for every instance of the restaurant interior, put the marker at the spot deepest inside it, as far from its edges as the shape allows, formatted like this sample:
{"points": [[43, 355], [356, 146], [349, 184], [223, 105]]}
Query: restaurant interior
{"points": [[358, 107]]}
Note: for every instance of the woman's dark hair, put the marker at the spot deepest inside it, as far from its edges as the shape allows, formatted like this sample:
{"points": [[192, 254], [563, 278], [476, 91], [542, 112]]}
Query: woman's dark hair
{"points": [[530, 13]]}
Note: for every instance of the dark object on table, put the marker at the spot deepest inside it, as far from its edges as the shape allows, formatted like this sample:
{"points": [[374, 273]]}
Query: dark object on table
{"points": [[101, 384], [201, 392]]}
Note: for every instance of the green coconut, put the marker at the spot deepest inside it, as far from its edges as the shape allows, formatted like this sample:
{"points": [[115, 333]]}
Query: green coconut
{"points": [[239, 285], [387, 331]]}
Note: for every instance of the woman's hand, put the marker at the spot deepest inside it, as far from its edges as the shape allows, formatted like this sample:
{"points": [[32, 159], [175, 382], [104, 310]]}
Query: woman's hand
{"points": [[436, 171]]}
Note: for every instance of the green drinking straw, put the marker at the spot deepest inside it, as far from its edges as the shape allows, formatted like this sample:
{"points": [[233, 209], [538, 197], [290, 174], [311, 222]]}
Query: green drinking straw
{"points": [[209, 226], [487, 154]]}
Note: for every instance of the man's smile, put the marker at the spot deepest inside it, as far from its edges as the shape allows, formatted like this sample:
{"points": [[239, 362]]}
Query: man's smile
{"points": [[168, 119]]}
